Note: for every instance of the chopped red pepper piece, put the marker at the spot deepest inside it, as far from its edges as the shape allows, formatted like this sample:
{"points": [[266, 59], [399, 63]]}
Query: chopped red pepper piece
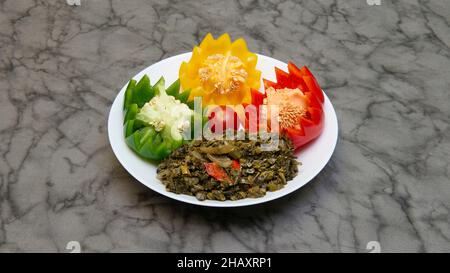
{"points": [[217, 172], [235, 165]]}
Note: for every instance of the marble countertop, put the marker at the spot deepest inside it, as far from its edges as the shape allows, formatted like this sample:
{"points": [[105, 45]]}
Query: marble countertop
{"points": [[386, 69]]}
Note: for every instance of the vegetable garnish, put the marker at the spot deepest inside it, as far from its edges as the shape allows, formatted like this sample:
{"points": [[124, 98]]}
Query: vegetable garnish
{"points": [[221, 72], [300, 101], [155, 118]]}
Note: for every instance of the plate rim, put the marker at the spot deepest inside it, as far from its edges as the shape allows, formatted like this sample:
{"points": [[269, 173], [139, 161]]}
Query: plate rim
{"points": [[215, 203]]}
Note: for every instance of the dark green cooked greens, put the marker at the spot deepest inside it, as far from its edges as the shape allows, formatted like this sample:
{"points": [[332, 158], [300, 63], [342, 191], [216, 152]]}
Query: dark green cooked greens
{"points": [[258, 170]]}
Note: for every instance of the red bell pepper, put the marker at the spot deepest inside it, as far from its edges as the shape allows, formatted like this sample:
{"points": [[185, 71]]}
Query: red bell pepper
{"points": [[224, 116], [310, 124], [257, 97], [310, 81]]}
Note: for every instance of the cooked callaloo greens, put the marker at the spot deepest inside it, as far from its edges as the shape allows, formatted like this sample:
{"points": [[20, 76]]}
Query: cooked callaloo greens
{"points": [[228, 169]]}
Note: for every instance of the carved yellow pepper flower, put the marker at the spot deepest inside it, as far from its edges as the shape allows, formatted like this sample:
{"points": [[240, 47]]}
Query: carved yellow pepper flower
{"points": [[220, 71]]}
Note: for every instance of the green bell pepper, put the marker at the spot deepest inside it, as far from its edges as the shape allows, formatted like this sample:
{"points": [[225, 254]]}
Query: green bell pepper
{"points": [[154, 121]]}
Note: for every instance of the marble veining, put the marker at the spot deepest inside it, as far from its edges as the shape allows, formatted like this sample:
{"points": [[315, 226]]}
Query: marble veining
{"points": [[386, 69]]}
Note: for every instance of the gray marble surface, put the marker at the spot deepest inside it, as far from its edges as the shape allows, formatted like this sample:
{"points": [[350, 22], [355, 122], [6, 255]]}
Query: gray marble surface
{"points": [[386, 69]]}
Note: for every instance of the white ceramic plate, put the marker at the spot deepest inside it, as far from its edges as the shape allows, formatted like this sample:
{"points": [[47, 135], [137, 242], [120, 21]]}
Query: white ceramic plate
{"points": [[313, 157]]}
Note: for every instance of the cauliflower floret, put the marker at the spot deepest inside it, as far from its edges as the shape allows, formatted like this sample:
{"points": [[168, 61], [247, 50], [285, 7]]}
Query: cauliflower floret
{"points": [[165, 111]]}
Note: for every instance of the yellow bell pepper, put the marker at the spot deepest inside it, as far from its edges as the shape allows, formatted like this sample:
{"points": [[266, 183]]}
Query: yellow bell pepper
{"points": [[221, 72]]}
